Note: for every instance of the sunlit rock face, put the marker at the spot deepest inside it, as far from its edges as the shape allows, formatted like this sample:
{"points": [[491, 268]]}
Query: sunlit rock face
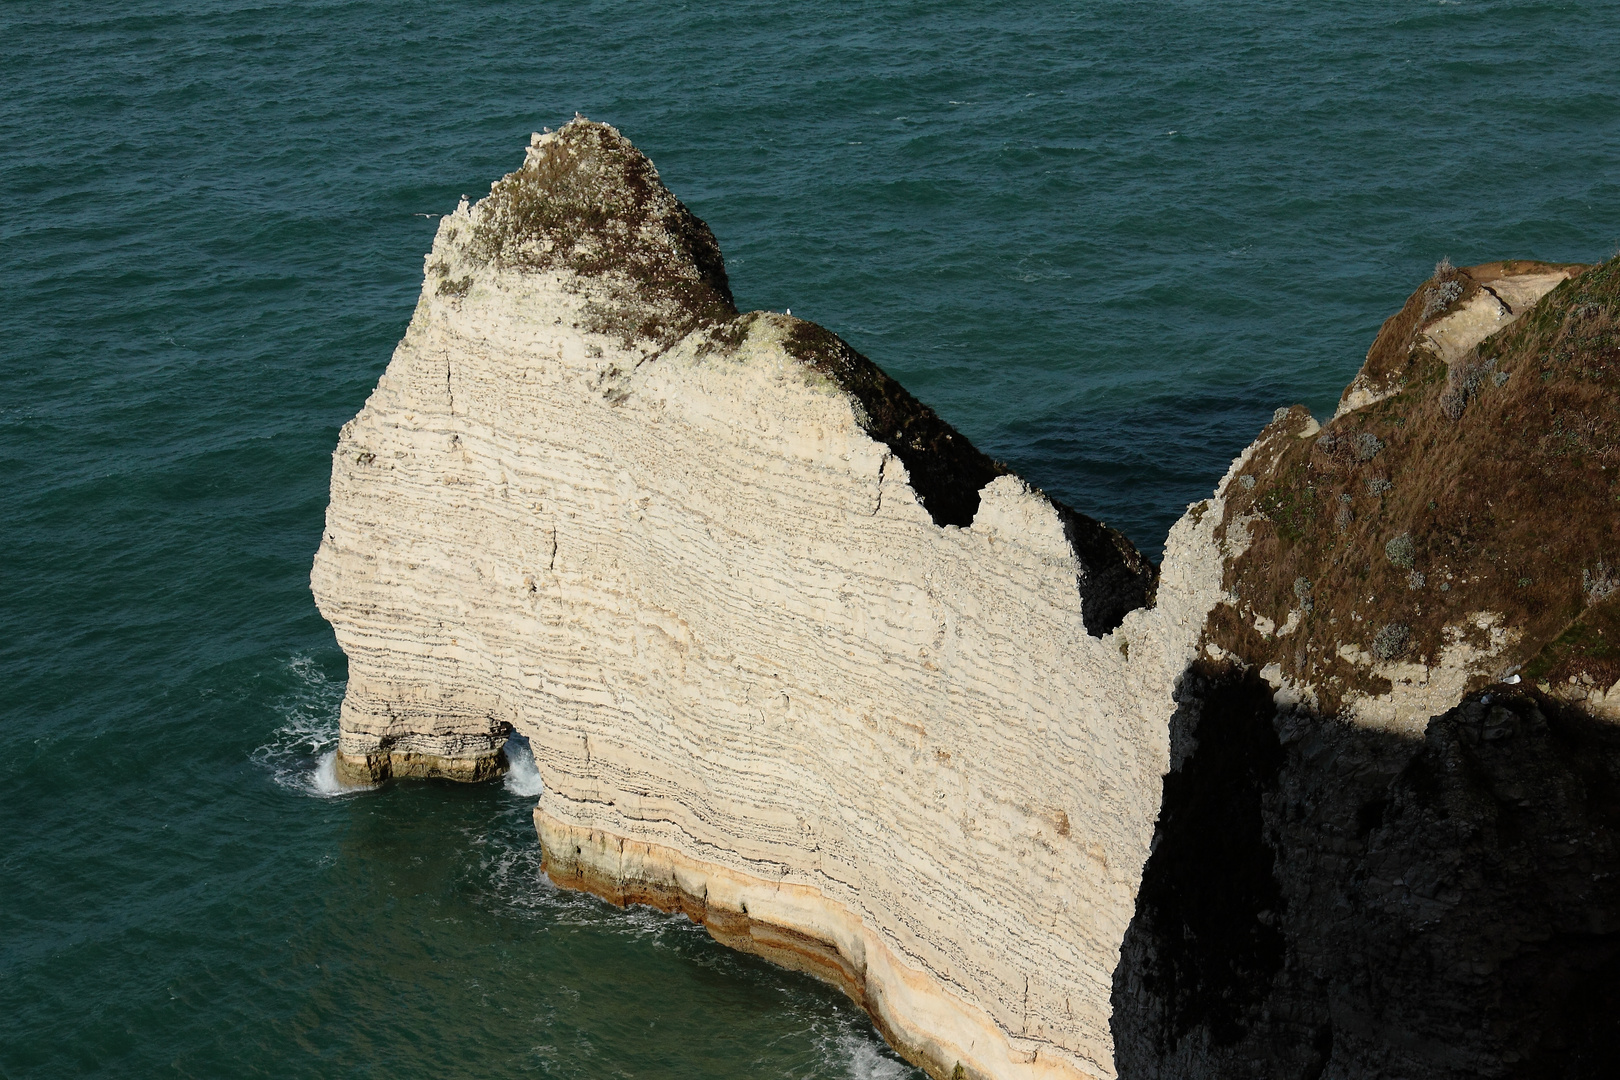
{"points": [[1331, 793], [792, 655]]}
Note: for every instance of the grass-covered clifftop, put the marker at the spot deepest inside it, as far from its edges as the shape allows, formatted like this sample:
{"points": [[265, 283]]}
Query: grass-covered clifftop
{"points": [[1487, 484]]}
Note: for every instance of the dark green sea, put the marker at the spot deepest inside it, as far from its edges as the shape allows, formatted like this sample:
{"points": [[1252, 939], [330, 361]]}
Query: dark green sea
{"points": [[1104, 240]]}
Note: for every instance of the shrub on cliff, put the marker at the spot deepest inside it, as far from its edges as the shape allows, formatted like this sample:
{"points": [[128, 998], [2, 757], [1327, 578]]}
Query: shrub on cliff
{"points": [[1400, 551], [1444, 290], [1391, 641]]}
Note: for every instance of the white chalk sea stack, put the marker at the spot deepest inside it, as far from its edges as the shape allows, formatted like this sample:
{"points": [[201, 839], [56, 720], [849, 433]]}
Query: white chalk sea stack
{"points": [[793, 657]]}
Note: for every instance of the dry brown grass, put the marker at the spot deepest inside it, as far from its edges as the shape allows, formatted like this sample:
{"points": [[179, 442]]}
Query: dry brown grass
{"points": [[1500, 495]]}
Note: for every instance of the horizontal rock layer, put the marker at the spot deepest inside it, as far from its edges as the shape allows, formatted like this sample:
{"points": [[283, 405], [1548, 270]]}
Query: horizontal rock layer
{"points": [[798, 661], [792, 656]]}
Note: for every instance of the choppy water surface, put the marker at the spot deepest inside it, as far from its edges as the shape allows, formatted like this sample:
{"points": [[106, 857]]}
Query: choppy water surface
{"points": [[1105, 241]]}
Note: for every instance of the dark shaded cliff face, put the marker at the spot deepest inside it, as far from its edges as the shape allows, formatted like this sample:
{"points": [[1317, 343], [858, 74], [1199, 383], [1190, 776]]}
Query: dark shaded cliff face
{"points": [[1117, 579], [1326, 901], [1206, 933], [1489, 485]]}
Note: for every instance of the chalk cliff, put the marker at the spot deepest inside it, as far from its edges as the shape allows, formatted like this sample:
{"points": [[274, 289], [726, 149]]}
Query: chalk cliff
{"points": [[797, 660], [792, 655]]}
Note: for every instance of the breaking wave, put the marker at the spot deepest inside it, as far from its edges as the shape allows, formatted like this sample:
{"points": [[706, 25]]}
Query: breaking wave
{"points": [[863, 1056], [522, 774], [302, 753]]}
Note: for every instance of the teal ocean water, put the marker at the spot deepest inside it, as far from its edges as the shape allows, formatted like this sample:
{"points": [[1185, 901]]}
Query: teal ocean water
{"points": [[1104, 240]]}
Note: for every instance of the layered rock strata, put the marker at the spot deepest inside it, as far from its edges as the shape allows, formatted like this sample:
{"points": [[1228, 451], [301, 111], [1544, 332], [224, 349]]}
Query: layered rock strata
{"points": [[1330, 794], [792, 656]]}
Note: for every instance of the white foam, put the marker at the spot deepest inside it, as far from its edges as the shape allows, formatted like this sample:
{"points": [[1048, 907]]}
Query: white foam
{"points": [[522, 774], [302, 753], [867, 1059], [324, 780]]}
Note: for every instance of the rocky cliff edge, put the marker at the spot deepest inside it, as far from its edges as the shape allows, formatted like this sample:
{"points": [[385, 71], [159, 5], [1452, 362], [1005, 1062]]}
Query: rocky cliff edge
{"points": [[1330, 793], [792, 655]]}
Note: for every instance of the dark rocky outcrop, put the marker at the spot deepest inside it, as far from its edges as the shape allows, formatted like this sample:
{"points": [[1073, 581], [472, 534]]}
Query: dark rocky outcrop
{"points": [[1329, 899]]}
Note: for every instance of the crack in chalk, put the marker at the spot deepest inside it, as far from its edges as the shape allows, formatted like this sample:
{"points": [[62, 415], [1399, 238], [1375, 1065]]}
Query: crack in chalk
{"points": [[1507, 307], [553, 565], [883, 467]]}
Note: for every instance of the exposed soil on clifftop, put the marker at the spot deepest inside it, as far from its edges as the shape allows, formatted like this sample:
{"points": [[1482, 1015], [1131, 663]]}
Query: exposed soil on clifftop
{"points": [[1491, 484]]}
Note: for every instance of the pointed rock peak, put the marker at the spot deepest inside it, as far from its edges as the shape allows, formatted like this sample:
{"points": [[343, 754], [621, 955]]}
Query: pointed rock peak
{"points": [[587, 203]]}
